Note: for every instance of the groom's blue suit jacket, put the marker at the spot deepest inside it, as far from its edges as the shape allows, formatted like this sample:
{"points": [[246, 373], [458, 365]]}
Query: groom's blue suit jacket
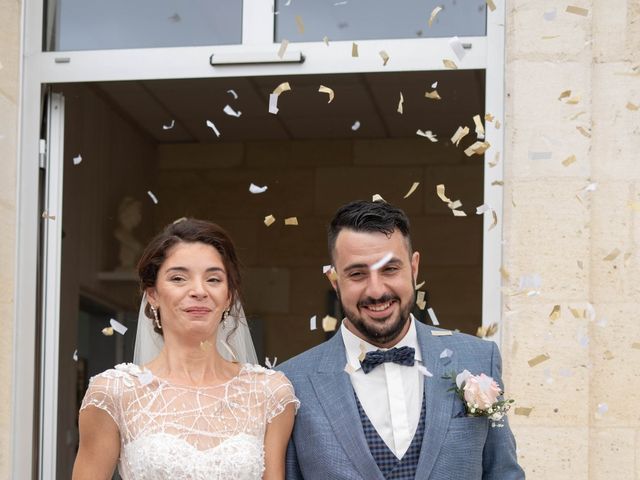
{"points": [[328, 440]]}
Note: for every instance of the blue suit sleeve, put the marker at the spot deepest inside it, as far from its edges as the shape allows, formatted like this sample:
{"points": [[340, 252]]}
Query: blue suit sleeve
{"points": [[499, 460], [292, 467]]}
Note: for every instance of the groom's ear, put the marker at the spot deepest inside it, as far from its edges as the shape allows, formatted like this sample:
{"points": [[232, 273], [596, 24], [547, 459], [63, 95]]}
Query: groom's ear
{"points": [[415, 262]]}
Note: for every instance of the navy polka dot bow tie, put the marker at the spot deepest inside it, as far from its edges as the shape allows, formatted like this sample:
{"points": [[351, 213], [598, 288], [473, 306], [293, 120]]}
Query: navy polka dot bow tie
{"points": [[402, 356]]}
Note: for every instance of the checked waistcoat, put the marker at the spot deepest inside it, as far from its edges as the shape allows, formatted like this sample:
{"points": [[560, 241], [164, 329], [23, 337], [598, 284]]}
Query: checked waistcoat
{"points": [[388, 463]]}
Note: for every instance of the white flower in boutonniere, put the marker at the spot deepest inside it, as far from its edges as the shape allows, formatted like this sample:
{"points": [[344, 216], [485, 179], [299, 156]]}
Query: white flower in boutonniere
{"points": [[480, 395]]}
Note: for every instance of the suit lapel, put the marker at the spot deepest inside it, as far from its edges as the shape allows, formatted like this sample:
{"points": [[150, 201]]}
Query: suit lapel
{"points": [[335, 394], [439, 402]]}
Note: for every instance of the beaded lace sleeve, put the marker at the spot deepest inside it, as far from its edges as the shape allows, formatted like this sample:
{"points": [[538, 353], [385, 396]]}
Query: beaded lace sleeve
{"points": [[280, 393], [102, 393]]}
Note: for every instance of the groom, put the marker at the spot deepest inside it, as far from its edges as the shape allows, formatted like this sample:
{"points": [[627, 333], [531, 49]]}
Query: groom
{"points": [[370, 408]]}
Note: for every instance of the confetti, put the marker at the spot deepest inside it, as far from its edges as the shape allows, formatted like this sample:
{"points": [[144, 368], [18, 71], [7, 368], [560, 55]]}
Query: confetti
{"points": [[584, 132], [270, 364], [283, 87], [154, 199], [495, 161], [269, 220], [420, 301], [231, 112], [608, 355], [524, 411], [299, 24], [363, 352], [354, 49], [328, 91], [211, 125], [412, 189], [456, 46], [432, 95], [420, 285], [170, 126], [326, 40], [385, 57], [253, 188], [569, 160], [446, 353], [432, 316], [577, 10], [349, 369], [504, 274], [382, 262], [550, 15], [450, 64], [400, 102], [632, 106], [326, 268], [494, 222], [428, 134], [482, 209], [233, 92], [355, 126], [441, 333], [635, 345], [46, 215], [423, 370], [539, 359], [497, 124], [273, 103], [478, 148], [488, 117], [612, 256], [488, 331], [377, 198], [461, 132], [145, 377], [107, 331], [77, 160], [329, 323], [479, 127], [455, 205], [434, 85], [434, 14], [491, 5], [441, 194], [555, 313], [602, 409], [291, 221], [283, 48], [313, 323], [75, 355], [118, 327]]}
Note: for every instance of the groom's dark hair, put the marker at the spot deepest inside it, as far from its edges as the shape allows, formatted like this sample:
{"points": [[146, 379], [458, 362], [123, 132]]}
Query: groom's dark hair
{"points": [[366, 216]]}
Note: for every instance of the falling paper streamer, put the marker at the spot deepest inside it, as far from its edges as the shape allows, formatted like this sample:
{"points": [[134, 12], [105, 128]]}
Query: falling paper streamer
{"points": [[328, 91], [355, 126], [434, 14], [170, 126], [550, 15], [583, 12], [456, 46], [231, 112], [283, 48], [283, 87], [420, 301], [479, 127], [432, 316], [612, 256], [154, 199], [377, 198], [300, 24], [400, 102], [77, 160], [313, 323], [382, 262], [569, 160], [478, 148], [428, 134], [211, 125], [412, 189], [385, 57], [555, 313], [354, 49], [75, 355], [538, 359], [441, 333], [433, 95], [269, 220], [491, 5], [460, 133], [291, 221], [423, 370], [269, 364], [256, 189], [107, 331], [450, 64], [118, 327], [440, 190], [233, 92], [420, 285], [329, 323]]}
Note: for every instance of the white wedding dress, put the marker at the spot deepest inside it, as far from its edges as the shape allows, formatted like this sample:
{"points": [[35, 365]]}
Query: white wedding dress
{"points": [[179, 432]]}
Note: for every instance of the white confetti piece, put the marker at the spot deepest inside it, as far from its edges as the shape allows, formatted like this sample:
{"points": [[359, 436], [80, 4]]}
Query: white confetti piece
{"points": [[326, 268], [273, 103], [423, 370], [446, 353], [313, 323], [377, 198], [434, 85], [550, 15], [118, 327], [253, 188], [441, 333], [385, 57], [233, 92], [154, 199], [400, 109], [602, 408], [456, 46], [211, 125], [170, 126], [427, 134], [355, 126], [77, 160], [283, 48], [482, 209], [75, 355], [270, 364], [231, 112], [432, 316], [145, 377], [382, 262], [412, 189]]}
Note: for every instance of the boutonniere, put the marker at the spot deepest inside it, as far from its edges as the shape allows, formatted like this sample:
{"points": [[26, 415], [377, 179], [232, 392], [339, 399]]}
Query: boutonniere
{"points": [[480, 395]]}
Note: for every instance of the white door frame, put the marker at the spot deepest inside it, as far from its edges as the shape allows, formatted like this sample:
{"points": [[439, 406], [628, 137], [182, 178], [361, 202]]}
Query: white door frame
{"points": [[42, 68]]}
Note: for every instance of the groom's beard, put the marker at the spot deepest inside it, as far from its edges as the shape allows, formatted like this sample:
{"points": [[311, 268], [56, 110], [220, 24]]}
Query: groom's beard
{"points": [[383, 332]]}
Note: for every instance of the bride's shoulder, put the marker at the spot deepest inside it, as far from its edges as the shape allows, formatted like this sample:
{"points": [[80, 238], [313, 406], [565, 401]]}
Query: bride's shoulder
{"points": [[123, 374], [267, 375]]}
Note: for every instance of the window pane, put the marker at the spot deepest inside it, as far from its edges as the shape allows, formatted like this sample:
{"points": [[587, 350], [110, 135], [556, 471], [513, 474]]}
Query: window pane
{"points": [[97, 25], [376, 19]]}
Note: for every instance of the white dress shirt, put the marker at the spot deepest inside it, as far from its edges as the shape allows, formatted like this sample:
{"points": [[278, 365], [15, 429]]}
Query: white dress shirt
{"points": [[390, 394]]}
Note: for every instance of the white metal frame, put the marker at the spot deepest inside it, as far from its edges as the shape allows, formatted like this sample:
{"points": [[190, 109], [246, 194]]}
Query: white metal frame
{"points": [[42, 68]]}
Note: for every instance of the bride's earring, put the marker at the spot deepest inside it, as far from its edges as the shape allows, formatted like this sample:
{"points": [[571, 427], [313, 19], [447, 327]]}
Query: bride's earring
{"points": [[156, 320]]}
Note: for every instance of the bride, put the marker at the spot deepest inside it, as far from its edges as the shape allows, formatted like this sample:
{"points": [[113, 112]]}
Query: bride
{"points": [[194, 411]]}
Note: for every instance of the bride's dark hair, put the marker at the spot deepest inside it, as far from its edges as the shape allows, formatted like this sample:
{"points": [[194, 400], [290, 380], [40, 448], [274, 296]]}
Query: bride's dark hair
{"points": [[189, 230]]}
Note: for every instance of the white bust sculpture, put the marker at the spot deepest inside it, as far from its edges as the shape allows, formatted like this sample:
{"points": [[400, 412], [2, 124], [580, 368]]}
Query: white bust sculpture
{"points": [[129, 217]]}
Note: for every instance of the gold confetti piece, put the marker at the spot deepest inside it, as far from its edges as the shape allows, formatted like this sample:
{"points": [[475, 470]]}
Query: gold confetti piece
{"points": [[354, 49], [440, 191], [505, 274], [269, 220], [564, 94], [549, 37], [497, 124], [459, 135], [449, 64], [583, 12], [363, 352], [495, 220], [584, 132], [420, 301], [488, 117], [455, 205], [635, 206], [458, 213], [488, 331], [441, 333], [632, 106], [329, 323], [283, 47], [569, 160], [498, 183], [326, 40], [524, 411], [478, 148], [496, 159], [420, 285], [385, 57], [283, 87], [577, 312], [299, 24], [635, 345], [539, 359], [328, 91], [400, 102], [46, 215], [107, 331], [291, 221], [206, 346], [573, 100], [555, 313], [612, 256], [377, 198], [332, 275], [479, 126], [412, 189], [576, 115], [491, 5], [608, 355], [434, 14], [432, 95]]}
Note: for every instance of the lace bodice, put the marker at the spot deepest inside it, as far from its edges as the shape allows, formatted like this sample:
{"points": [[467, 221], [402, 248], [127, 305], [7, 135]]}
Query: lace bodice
{"points": [[179, 432]]}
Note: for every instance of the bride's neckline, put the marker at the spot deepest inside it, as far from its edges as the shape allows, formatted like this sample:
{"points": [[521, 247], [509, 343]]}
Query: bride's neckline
{"points": [[243, 368]]}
